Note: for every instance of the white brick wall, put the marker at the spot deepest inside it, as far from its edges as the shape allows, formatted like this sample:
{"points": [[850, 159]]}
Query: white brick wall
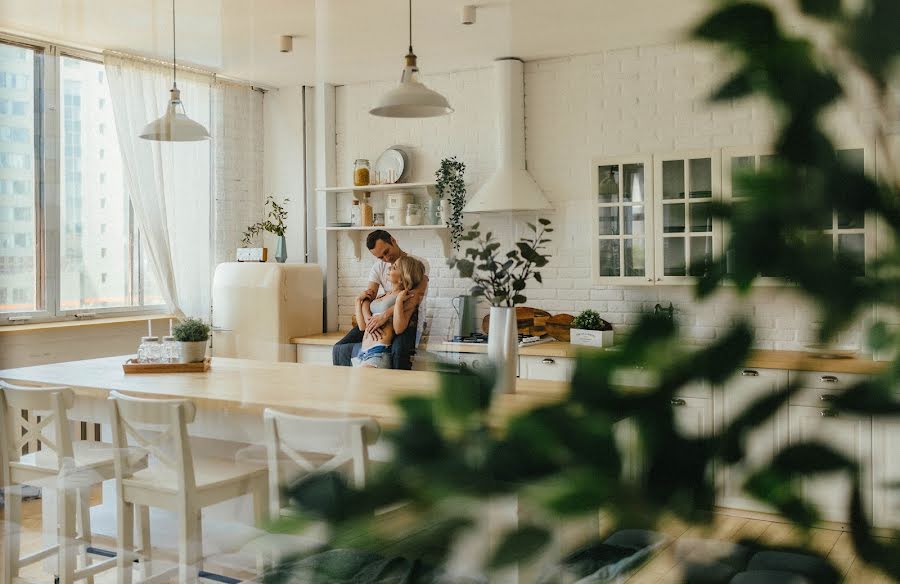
{"points": [[649, 99]]}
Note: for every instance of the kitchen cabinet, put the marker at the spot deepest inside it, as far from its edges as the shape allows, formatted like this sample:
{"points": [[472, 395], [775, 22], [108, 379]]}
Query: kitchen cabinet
{"points": [[886, 472], [686, 236], [693, 416], [314, 354], [546, 368], [761, 445], [623, 220]]}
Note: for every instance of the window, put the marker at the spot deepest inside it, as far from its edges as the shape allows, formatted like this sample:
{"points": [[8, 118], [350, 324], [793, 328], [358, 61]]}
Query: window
{"points": [[79, 273]]}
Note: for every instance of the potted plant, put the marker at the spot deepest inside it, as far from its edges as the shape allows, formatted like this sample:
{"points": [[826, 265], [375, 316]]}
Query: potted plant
{"points": [[589, 329], [192, 336], [451, 188], [274, 224], [501, 279]]}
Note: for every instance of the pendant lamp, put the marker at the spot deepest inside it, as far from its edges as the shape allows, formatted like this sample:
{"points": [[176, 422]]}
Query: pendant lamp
{"points": [[411, 99], [174, 125]]}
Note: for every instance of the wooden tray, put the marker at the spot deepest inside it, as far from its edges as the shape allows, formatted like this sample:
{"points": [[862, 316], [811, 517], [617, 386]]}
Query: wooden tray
{"points": [[132, 366]]}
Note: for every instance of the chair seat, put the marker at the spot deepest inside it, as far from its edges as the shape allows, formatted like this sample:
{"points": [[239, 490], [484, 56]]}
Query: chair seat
{"points": [[91, 463], [209, 473]]}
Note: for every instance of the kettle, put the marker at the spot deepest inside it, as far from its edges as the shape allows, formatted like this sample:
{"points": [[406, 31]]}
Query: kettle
{"points": [[466, 314]]}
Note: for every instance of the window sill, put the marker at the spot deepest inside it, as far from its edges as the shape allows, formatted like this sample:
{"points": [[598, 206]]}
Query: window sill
{"points": [[42, 326]]}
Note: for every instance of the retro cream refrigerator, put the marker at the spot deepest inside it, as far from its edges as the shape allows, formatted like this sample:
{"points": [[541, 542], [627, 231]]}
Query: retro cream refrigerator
{"points": [[258, 307]]}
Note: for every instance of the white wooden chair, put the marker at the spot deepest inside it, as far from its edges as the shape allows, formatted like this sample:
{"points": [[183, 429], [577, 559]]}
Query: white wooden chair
{"points": [[298, 445], [173, 480], [71, 468]]}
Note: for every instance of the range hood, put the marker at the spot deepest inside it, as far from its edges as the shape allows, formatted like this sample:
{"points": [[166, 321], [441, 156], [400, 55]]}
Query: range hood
{"points": [[510, 188]]}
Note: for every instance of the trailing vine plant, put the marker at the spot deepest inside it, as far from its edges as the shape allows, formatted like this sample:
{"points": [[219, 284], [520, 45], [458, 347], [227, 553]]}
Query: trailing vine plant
{"points": [[450, 185], [273, 223]]}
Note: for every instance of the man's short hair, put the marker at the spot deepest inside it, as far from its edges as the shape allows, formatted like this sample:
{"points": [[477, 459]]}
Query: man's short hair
{"points": [[378, 235]]}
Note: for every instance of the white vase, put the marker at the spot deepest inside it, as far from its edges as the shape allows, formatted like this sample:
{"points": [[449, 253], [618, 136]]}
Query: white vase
{"points": [[503, 347], [192, 352], [445, 211]]}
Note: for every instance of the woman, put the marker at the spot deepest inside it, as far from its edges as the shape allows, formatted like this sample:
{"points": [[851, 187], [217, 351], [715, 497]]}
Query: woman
{"points": [[406, 274]]}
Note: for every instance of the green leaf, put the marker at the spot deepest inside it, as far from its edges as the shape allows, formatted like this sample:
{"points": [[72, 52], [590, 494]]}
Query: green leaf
{"points": [[737, 86], [519, 545], [531, 226], [519, 299], [466, 268], [741, 24], [810, 458], [463, 394], [538, 277], [544, 222], [824, 9]]}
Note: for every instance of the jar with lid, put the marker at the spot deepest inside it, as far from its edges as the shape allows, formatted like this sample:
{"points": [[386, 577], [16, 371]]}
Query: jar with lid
{"points": [[432, 212], [355, 214], [169, 353], [365, 213], [149, 350], [361, 172], [414, 214]]}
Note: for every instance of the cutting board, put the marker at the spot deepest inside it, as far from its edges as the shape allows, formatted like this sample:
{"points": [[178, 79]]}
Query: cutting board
{"points": [[558, 327], [530, 321]]}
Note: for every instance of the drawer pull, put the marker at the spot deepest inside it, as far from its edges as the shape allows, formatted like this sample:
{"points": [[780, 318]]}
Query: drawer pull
{"points": [[677, 401], [829, 379], [829, 413], [826, 397], [750, 373], [548, 362]]}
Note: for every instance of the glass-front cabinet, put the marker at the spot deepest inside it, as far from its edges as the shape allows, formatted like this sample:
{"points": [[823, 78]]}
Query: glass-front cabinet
{"points": [[687, 238], [623, 233]]}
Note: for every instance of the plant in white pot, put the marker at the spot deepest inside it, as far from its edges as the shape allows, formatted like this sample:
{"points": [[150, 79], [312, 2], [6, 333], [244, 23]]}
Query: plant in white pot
{"points": [[501, 279], [192, 336], [589, 329]]}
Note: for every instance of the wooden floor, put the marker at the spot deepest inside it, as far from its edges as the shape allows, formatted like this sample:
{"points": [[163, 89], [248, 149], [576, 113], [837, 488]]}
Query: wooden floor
{"points": [[661, 569]]}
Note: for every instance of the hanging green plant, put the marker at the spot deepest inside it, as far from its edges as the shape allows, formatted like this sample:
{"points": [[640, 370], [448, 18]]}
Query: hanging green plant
{"points": [[451, 186]]}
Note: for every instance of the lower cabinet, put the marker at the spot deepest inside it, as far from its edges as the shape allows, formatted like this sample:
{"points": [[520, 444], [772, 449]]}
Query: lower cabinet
{"points": [[886, 472], [314, 354], [761, 445], [546, 368], [693, 416], [849, 435]]}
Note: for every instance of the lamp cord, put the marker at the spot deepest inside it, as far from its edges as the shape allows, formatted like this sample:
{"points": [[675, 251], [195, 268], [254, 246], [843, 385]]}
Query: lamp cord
{"points": [[174, 68], [410, 27]]}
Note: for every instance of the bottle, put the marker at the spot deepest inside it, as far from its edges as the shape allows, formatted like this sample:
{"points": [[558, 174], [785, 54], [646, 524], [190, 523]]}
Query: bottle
{"points": [[413, 214], [169, 352], [354, 214], [365, 213], [361, 172], [149, 350]]}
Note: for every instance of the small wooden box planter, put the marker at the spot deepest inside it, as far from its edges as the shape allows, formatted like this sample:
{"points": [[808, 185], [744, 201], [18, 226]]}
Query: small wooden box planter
{"points": [[132, 366], [591, 338], [253, 254]]}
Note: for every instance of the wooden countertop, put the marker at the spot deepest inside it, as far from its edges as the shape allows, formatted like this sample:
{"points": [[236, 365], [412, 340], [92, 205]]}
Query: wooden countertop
{"points": [[246, 385], [763, 359]]}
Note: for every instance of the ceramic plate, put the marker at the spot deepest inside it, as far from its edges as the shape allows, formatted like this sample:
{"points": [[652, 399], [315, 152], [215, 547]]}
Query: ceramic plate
{"points": [[396, 159]]}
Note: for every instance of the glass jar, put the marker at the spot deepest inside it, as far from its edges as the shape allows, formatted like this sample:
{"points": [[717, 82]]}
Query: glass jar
{"points": [[365, 213], [414, 214], [149, 350], [432, 212], [169, 352], [354, 214], [361, 172]]}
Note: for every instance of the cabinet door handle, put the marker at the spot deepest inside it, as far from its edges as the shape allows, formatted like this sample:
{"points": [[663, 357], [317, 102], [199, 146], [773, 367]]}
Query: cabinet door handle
{"points": [[750, 373], [826, 397], [548, 362], [677, 401], [829, 413], [829, 379]]}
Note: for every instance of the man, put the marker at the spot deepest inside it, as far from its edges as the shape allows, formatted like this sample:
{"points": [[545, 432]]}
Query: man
{"points": [[386, 251]]}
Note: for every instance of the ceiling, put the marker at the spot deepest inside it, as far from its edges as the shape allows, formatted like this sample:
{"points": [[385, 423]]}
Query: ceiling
{"points": [[345, 41]]}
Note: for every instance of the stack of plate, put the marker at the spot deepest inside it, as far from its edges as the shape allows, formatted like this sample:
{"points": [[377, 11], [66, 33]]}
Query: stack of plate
{"points": [[393, 165]]}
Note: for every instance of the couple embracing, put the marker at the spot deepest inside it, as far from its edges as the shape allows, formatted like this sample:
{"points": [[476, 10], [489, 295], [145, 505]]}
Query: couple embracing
{"points": [[387, 311]]}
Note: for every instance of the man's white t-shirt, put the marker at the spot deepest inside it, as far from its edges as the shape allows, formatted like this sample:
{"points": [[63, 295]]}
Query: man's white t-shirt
{"points": [[381, 272]]}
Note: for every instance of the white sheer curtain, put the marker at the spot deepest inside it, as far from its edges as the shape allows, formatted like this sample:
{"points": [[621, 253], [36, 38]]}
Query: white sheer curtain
{"points": [[170, 183]]}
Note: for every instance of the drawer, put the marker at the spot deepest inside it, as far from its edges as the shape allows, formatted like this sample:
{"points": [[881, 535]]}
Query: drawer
{"points": [[817, 388], [314, 354], [638, 378], [475, 360], [546, 368]]}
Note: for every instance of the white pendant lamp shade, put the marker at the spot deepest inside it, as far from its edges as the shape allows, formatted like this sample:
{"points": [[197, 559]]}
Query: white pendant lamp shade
{"points": [[174, 125], [411, 99]]}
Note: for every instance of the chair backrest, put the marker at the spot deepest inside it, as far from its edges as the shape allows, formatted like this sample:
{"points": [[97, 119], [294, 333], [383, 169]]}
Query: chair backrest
{"points": [[43, 408], [142, 426], [297, 445]]}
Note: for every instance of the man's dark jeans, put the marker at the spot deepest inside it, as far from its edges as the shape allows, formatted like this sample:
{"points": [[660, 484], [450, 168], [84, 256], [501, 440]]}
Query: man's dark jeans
{"points": [[402, 348]]}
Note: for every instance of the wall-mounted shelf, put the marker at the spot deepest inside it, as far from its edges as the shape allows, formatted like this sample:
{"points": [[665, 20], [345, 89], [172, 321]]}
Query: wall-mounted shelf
{"points": [[355, 234], [391, 188]]}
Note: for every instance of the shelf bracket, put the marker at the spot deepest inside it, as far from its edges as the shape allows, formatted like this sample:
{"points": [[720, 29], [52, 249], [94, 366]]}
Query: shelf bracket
{"points": [[444, 234], [355, 238]]}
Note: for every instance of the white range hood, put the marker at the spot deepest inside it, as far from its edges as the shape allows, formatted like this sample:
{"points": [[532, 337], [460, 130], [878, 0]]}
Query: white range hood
{"points": [[510, 188]]}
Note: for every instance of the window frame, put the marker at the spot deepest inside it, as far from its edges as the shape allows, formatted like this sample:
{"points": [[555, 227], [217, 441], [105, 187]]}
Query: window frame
{"points": [[47, 192]]}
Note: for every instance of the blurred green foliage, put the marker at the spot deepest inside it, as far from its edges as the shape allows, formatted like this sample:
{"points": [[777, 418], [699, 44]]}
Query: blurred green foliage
{"points": [[563, 457]]}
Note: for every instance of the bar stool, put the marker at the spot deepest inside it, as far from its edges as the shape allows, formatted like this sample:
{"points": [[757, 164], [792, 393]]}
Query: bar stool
{"points": [[70, 467], [174, 479]]}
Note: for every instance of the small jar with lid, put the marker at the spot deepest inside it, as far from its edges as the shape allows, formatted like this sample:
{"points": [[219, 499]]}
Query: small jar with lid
{"points": [[149, 350], [365, 213], [355, 218], [413, 214], [361, 172], [169, 353]]}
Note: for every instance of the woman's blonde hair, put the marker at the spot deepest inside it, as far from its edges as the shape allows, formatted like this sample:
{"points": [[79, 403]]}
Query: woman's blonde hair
{"points": [[412, 272]]}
